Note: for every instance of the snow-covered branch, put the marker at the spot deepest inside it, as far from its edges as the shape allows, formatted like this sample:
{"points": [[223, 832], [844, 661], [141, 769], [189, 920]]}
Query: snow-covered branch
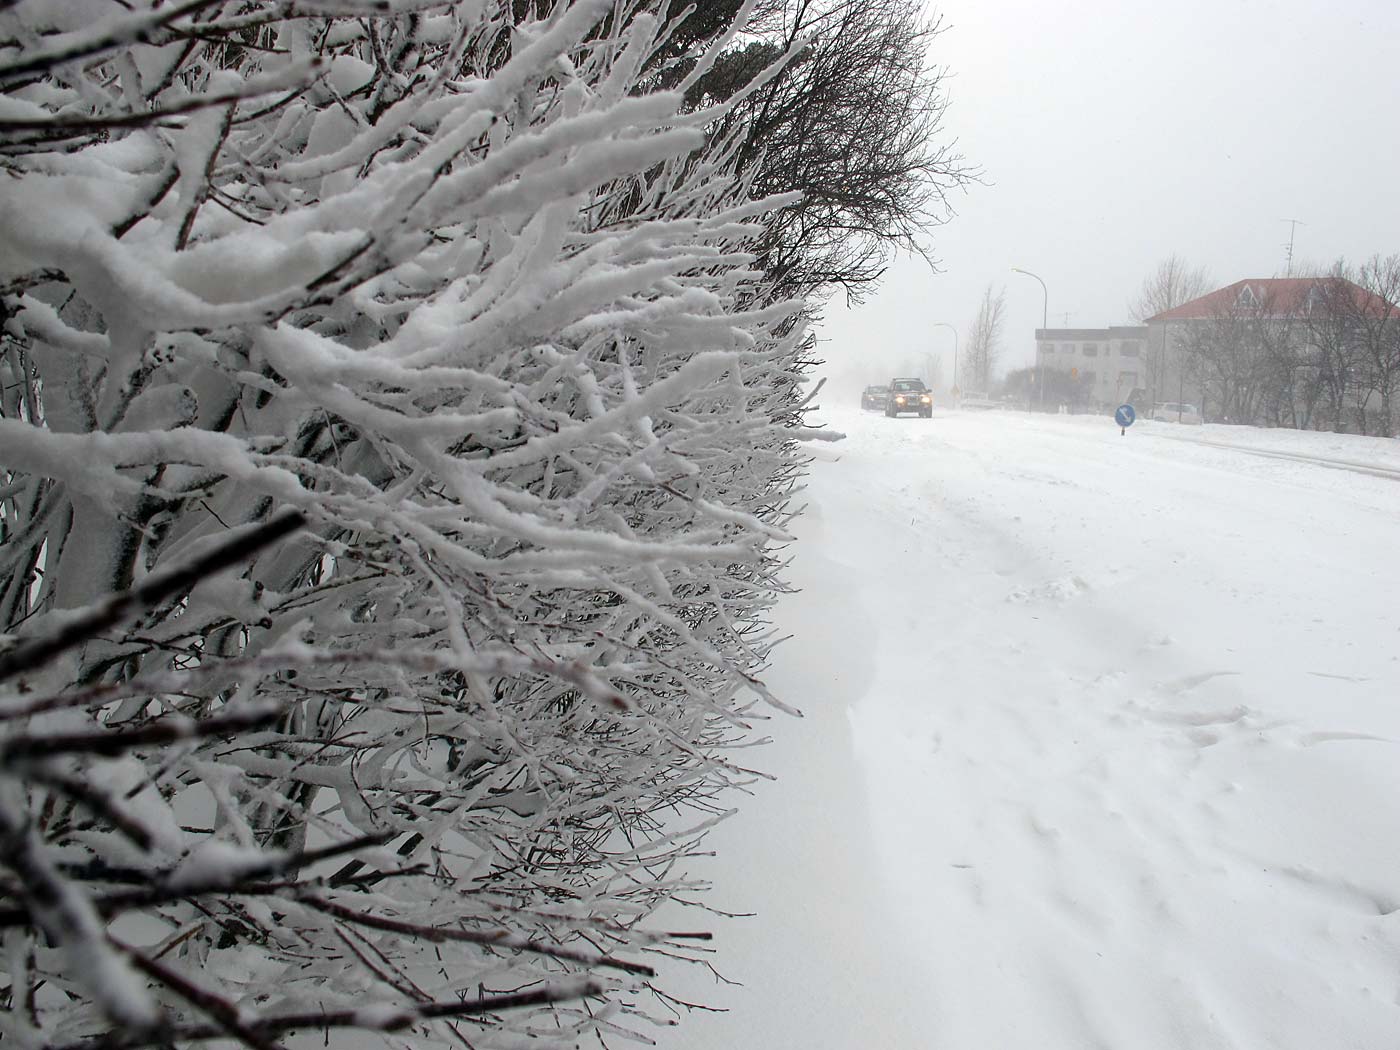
{"points": [[394, 437]]}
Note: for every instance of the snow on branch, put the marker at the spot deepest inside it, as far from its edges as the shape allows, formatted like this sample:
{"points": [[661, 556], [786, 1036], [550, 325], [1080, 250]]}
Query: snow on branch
{"points": [[395, 432]]}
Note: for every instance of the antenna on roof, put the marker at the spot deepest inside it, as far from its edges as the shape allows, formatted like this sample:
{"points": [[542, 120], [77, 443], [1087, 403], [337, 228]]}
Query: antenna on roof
{"points": [[1292, 229]]}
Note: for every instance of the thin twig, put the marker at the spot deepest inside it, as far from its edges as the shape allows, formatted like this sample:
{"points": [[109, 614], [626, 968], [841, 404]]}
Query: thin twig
{"points": [[33, 653], [172, 729], [377, 1019], [494, 938], [224, 1013]]}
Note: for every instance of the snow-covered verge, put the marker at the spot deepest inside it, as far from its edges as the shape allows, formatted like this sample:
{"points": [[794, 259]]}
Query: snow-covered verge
{"points": [[461, 285], [1375, 453], [1101, 747]]}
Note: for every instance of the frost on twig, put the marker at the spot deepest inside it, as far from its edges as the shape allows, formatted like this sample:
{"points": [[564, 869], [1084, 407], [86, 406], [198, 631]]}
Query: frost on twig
{"points": [[396, 440]]}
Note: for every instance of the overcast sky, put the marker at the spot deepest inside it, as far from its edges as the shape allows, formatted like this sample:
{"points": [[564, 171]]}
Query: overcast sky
{"points": [[1112, 134]]}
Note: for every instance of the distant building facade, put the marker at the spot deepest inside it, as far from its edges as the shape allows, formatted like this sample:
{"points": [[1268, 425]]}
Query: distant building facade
{"points": [[1109, 361]]}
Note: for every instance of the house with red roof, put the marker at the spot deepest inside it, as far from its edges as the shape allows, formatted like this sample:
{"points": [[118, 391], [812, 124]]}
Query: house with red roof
{"points": [[1281, 351], [1277, 297]]}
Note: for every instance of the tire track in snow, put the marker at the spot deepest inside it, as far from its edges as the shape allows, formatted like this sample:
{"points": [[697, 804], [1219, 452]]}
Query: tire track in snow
{"points": [[1371, 469]]}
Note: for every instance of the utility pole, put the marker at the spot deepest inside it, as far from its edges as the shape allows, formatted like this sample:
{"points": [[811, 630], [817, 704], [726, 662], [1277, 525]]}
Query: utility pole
{"points": [[1293, 225]]}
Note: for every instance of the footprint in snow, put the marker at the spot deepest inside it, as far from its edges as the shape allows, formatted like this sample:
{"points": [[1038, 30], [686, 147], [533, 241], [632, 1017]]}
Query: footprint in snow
{"points": [[1061, 590], [1200, 719], [1185, 685]]}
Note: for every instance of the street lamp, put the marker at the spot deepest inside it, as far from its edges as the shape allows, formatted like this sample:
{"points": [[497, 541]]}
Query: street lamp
{"points": [[1044, 324], [945, 324]]}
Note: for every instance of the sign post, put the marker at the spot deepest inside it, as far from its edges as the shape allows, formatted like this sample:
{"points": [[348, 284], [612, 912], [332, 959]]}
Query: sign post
{"points": [[1124, 417]]}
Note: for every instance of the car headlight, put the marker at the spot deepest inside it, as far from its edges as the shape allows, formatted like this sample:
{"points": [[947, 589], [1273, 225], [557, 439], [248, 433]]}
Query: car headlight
{"points": [[900, 400], [925, 399]]}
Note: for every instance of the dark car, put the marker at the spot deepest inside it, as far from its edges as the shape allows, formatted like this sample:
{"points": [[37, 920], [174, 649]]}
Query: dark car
{"points": [[909, 395], [873, 398]]}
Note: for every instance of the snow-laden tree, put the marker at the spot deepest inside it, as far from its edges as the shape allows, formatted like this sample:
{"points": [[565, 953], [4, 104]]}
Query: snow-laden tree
{"points": [[454, 284]]}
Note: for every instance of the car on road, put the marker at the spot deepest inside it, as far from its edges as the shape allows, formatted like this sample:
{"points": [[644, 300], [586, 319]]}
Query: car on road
{"points": [[909, 395], [874, 398], [1176, 412]]}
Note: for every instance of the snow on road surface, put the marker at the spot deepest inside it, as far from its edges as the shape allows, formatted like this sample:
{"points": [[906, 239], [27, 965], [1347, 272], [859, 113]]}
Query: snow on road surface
{"points": [[1102, 747]]}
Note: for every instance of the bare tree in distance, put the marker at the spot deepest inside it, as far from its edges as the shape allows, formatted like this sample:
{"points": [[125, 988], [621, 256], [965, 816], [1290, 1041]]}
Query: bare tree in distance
{"points": [[1284, 395], [852, 120], [1334, 363], [1222, 358], [1171, 284], [1376, 317], [1354, 330], [984, 340]]}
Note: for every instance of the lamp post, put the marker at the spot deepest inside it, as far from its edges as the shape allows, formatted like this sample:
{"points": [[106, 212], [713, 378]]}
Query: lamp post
{"points": [[1044, 324], [945, 324]]}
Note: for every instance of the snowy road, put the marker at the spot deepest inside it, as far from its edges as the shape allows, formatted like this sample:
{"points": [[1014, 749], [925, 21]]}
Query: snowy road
{"points": [[1102, 746]]}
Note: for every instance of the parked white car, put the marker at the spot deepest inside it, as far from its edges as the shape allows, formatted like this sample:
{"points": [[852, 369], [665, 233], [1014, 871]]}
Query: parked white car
{"points": [[1176, 412]]}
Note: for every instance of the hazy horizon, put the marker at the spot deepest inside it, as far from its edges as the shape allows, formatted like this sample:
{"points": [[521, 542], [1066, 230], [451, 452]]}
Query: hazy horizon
{"points": [[1113, 136]]}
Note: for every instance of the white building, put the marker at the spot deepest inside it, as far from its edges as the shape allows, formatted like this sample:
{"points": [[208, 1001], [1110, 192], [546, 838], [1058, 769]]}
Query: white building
{"points": [[1110, 360]]}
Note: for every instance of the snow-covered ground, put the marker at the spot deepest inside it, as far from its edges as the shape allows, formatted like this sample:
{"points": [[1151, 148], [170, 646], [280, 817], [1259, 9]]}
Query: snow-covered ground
{"points": [[1100, 748]]}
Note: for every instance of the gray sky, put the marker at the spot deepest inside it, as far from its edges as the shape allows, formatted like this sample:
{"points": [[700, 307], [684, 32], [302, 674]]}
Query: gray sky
{"points": [[1115, 133]]}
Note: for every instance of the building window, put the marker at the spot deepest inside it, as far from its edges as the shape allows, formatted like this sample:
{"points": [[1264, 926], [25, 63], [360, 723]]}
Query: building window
{"points": [[1129, 349], [1047, 348], [1088, 377], [1127, 380], [1089, 350]]}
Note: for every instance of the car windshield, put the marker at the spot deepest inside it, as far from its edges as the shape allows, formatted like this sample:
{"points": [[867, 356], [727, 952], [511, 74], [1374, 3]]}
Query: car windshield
{"points": [[907, 384]]}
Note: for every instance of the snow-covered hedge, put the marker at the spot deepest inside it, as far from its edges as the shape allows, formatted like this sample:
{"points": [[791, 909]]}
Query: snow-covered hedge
{"points": [[450, 280]]}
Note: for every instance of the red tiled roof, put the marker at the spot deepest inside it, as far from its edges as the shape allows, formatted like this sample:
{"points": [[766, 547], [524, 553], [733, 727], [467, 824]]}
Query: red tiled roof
{"points": [[1284, 296]]}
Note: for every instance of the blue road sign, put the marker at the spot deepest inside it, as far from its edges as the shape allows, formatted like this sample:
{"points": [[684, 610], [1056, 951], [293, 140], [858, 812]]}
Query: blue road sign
{"points": [[1125, 415]]}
